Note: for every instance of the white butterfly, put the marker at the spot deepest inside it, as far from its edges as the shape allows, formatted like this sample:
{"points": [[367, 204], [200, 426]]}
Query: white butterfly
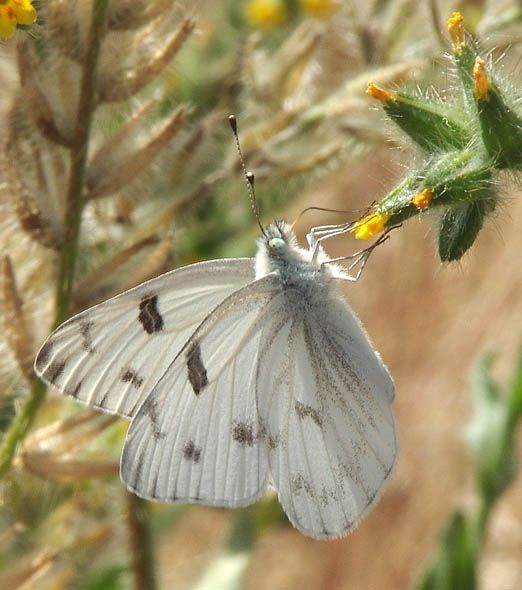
{"points": [[235, 374]]}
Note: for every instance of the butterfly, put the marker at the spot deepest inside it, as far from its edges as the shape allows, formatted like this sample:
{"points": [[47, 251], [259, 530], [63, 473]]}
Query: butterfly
{"points": [[236, 374]]}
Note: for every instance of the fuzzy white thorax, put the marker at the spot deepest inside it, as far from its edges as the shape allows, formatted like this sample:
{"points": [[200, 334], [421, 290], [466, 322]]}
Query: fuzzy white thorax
{"points": [[278, 252]]}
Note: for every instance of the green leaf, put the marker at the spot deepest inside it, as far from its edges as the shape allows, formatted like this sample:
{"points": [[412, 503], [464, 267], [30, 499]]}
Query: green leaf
{"points": [[459, 227], [465, 60], [487, 433], [515, 397], [454, 567]]}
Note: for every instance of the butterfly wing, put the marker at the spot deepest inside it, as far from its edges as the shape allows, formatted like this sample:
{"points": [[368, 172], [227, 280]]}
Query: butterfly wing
{"points": [[111, 355], [196, 437], [325, 399]]}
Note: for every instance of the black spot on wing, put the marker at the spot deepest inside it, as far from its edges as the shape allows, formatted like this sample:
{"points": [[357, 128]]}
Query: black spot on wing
{"points": [[85, 331], [54, 370], [304, 411], [243, 433], [191, 452], [150, 408], [197, 373], [128, 375], [300, 483], [149, 315]]}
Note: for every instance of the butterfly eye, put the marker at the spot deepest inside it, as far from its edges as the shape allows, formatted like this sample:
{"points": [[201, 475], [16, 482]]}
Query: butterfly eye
{"points": [[276, 243]]}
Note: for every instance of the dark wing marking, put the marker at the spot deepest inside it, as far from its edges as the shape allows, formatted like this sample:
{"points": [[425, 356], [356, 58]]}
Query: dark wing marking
{"points": [[197, 374]]}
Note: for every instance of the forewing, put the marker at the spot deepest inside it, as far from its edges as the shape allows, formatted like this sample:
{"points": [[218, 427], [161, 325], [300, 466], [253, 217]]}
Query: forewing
{"points": [[112, 355], [326, 404], [196, 437]]}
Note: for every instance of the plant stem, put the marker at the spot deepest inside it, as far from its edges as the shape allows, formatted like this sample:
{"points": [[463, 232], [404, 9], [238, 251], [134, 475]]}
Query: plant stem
{"points": [[75, 201], [73, 214], [481, 522], [141, 543], [21, 424]]}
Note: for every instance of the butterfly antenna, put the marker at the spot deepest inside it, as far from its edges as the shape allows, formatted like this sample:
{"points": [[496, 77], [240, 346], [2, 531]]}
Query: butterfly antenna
{"points": [[249, 176], [346, 212]]}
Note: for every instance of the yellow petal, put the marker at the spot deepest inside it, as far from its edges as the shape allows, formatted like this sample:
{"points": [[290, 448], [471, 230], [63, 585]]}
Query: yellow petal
{"points": [[265, 13], [456, 30], [24, 12], [367, 227], [383, 95], [423, 199], [482, 84], [7, 22]]}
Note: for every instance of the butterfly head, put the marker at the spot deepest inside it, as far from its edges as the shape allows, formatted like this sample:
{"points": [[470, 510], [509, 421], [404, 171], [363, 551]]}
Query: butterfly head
{"points": [[277, 250], [279, 240]]}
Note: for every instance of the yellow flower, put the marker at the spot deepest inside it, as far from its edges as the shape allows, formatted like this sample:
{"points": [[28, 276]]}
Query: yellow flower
{"points": [[367, 227], [455, 29], [383, 95], [482, 84], [265, 13], [318, 7], [423, 199], [15, 12]]}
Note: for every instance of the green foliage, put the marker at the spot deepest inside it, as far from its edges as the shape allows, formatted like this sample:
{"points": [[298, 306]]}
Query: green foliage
{"points": [[465, 144], [490, 437], [454, 566], [112, 578], [490, 432], [459, 227]]}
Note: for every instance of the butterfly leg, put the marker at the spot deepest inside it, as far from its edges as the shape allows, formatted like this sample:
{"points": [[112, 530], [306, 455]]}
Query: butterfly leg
{"points": [[361, 257], [321, 230], [325, 232]]}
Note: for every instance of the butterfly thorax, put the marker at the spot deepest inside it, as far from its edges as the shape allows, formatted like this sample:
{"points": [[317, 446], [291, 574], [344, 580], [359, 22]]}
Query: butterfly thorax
{"points": [[278, 253]]}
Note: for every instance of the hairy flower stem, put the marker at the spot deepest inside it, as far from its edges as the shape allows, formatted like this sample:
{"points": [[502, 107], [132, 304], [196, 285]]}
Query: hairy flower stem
{"points": [[73, 214]]}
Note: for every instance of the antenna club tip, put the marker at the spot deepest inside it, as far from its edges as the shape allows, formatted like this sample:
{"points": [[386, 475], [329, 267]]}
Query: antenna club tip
{"points": [[233, 122], [250, 177]]}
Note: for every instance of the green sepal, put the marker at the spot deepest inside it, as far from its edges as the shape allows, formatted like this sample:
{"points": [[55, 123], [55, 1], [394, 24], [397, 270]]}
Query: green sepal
{"points": [[460, 225], [501, 130], [398, 202], [468, 187], [431, 125], [454, 178], [402, 214], [501, 127], [465, 57]]}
